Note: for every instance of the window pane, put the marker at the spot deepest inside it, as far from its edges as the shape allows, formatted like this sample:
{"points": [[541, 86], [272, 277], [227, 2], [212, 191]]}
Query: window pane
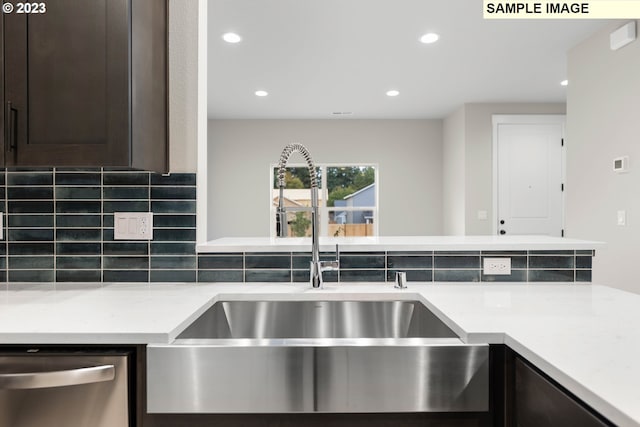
{"points": [[351, 186], [348, 193]]}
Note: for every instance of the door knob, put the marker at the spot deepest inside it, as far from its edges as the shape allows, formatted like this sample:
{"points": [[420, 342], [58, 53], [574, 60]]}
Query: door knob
{"points": [[502, 222], [503, 232]]}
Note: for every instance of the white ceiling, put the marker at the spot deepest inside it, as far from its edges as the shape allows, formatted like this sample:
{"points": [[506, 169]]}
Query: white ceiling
{"points": [[316, 57]]}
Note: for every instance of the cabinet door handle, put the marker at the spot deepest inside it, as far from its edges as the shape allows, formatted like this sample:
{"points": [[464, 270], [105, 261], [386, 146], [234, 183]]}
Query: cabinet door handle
{"points": [[31, 380], [11, 120]]}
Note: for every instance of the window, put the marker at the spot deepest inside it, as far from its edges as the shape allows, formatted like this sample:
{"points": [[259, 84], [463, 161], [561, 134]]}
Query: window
{"points": [[347, 199]]}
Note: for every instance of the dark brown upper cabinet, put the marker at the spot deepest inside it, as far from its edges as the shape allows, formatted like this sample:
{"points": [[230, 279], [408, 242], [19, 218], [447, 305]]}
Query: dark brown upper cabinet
{"points": [[85, 84]]}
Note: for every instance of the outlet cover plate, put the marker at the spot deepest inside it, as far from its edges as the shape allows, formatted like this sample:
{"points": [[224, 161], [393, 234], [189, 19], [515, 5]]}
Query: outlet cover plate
{"points": [[496, 266], [133, 225]]}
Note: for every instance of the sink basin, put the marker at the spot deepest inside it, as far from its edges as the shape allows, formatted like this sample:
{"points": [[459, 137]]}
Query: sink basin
{"points": [[317, 319], [317, 356]]}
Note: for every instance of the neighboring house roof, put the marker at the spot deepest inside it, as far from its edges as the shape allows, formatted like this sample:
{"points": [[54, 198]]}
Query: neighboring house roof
{"points": [[299, 194], [362, 190], [287, 202]]}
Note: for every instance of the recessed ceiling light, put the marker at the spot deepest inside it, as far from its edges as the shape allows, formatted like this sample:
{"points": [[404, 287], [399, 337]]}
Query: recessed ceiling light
{"points": [[262, 93], [393, 93], [429, 38], [231, 37], [564, 83]]}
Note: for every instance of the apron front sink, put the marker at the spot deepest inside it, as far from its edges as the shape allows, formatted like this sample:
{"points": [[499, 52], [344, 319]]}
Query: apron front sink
{"points": [[317, 356]]}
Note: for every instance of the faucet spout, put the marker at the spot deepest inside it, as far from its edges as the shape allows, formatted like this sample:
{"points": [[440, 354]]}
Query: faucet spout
{"points": [[316, 266]]}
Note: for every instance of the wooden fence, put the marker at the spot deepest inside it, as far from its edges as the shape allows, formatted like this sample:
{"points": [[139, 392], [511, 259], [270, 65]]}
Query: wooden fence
{"points": [[350, 230]]}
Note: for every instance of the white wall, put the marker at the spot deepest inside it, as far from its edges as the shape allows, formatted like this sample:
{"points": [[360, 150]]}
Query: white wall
{"points": [[603, 122], [408, 152], [183, 85], [453, 173]]}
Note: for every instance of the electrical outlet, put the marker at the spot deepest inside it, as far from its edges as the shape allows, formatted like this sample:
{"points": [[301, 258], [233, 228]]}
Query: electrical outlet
{"points": [[497, 266], [133, 225]]}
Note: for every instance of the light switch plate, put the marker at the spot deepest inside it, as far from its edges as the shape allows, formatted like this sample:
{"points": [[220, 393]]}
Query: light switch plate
{"points": [[133, 225], [497, 266], [622, 218]]}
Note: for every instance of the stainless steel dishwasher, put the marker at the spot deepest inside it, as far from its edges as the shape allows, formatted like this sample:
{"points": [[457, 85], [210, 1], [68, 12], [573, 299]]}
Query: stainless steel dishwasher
{"points": [[40, 387]]}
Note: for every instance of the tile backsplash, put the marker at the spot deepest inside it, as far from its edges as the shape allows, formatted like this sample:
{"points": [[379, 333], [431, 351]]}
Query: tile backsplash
{"points": [[59, 228], [423, 266]]}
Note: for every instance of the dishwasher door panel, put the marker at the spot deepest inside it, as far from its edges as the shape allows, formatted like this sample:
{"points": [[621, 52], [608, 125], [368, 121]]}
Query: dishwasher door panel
{"points": [[55, 390]]}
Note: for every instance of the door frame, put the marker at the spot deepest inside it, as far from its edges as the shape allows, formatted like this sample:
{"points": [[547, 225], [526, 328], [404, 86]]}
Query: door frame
{"points": [[502, 119]]}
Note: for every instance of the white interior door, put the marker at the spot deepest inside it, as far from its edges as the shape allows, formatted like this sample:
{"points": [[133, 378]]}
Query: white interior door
{"points": [[530, 174]]}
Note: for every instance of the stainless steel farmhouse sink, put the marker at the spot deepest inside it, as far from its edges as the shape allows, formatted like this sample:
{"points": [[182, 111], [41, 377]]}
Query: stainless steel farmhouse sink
{"points": [[317, 356]]}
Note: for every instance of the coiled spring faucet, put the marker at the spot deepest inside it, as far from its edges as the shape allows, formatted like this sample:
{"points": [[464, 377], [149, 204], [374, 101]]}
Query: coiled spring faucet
{"points": [[316, 266]]}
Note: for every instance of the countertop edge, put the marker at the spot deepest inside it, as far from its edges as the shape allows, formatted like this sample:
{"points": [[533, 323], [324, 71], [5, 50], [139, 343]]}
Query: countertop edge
{"points": [[416, 243]]}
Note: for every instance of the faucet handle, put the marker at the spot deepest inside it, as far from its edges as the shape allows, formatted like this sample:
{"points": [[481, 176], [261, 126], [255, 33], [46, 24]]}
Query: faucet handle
{"points": [[331, 265]]}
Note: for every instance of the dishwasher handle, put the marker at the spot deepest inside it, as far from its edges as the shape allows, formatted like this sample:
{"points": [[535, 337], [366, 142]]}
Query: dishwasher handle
{"points": [[49, 379]]}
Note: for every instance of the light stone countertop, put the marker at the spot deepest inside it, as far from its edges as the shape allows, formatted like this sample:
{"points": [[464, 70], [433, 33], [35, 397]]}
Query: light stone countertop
{"points": [[397, 243], [586, 337]]}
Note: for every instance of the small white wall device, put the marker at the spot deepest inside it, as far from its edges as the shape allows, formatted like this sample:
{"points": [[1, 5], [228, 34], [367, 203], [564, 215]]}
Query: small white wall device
{"points": [[621, 164], [623, 36], [133, 225]]}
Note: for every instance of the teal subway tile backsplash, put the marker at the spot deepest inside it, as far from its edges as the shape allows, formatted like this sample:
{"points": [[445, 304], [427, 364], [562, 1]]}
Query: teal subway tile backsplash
{"points": [[409, 261], [173, 248], [552, 261], [22, 248], [415, 275], [453, 261], [59, 227], [78, 193], [363, 261], [270, 261], [78, 248], [467, 275], [90, 276], [551, 275], [173, 276], [173, 193], [583, 262], [29, 178], [174, 179], [77, 206], [126, 179], [78, 262], [123, 247], [373, 275], [125, 276], [221, 261], [126, 193]]}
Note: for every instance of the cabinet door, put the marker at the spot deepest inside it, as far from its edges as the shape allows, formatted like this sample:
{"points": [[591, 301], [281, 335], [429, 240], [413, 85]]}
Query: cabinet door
{"points": [[67, 84], [540, 403]]}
